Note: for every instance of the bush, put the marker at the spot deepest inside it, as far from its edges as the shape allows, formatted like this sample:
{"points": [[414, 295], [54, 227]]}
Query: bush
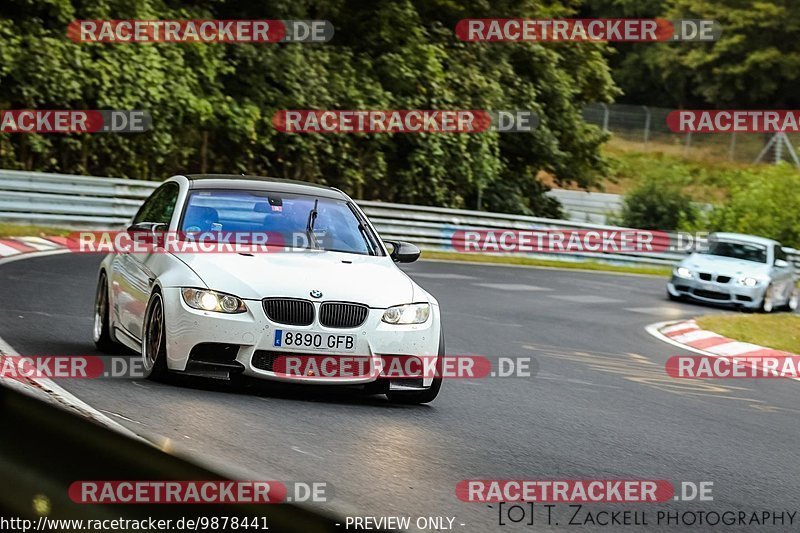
{"points": [[765, 202], [657, 205]]}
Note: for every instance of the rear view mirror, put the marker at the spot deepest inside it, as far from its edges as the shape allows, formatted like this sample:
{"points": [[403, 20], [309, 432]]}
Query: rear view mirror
{"points": [[780, 263]]}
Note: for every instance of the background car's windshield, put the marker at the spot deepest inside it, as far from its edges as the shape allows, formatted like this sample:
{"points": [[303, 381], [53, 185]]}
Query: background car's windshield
{"points": [[336, 227], [738, 250]]}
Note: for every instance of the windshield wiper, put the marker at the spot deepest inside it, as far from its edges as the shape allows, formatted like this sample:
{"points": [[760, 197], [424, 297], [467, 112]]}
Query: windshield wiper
{"points": [[312, 217]]}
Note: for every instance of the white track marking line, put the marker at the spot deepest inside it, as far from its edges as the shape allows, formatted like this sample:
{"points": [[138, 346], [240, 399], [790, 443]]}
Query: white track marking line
{"points": [[55, 392], [663, 311], [512, 287], [536, 267], [435, 275], [585, 299], [37, 243], [31, 255]]}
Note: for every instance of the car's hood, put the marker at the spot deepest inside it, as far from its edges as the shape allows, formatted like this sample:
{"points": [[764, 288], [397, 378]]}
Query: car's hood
{"points": [[726, 266], [375, 281]]}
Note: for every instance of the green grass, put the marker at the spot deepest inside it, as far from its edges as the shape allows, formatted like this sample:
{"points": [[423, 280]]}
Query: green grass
{"points": [[549, 263], [704, 180], [22, 230], [779, 331]]}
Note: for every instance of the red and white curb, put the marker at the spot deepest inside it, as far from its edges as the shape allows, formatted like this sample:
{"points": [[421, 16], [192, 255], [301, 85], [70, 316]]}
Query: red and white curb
{"points": [[687, 335], [13, 246]]}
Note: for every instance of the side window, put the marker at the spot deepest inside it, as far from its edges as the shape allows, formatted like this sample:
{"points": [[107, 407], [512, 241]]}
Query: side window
{"points": [[160, 205], [779, 253]]}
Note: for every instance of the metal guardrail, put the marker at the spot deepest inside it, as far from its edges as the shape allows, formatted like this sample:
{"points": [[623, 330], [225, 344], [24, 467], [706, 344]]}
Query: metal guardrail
{"points": [[99, 203], [582, 206]]}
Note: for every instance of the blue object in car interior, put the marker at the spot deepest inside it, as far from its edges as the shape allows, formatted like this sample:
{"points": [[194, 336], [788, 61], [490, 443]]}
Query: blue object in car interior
{"points": [[201, 217]]}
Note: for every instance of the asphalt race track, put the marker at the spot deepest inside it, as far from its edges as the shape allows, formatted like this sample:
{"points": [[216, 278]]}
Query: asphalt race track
{"points": [[600, 405]]}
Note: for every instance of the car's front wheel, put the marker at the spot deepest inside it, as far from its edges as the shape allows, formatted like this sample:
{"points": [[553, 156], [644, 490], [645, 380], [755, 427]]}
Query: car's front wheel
{"points": [[422, 396], [768, 303], [101, 333], [154, 341], [793, 301], [671, 297]]}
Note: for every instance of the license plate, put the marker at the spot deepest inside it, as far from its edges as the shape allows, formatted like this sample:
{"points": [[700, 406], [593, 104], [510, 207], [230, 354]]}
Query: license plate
{"points": [[309, 340]]}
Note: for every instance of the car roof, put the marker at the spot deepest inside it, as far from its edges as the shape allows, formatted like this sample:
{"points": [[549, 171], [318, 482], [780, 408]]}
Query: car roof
{"points": [[238, 181], [741, 237]]}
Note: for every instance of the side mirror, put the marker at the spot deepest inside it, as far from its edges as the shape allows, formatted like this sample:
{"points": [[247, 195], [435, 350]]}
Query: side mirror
{"points": [[147, 232], [780, 263], [403, 252], [145, 227]]}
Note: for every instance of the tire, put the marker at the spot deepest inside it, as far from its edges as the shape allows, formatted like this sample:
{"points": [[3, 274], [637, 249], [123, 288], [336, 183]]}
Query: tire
{"points": [[768, 302], [154, 341], [101, 333], [673, 298], [422, 396], [794, 301]]}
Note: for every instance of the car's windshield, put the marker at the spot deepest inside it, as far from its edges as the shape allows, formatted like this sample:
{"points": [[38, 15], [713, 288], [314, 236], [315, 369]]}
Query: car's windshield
{"points": [[336, 227], [738, 250]]}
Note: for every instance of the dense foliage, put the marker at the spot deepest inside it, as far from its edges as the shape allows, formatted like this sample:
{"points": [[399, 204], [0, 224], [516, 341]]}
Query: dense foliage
{"points": [[754, 65], [657, 205], [212, 104], [691, 196], [762, 205]]}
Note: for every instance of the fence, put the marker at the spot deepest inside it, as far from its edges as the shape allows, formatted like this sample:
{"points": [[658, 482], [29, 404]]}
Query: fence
{"points": [[99, 203], [593, 207], [646, 127]]}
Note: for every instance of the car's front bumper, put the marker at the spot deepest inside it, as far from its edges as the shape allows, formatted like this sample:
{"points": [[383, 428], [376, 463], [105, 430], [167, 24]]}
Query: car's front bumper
{"points": [[251, 334], [718, 293]]}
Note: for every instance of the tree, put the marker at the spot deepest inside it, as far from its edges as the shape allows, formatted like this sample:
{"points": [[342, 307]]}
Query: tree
{"points": [[212, 104]]}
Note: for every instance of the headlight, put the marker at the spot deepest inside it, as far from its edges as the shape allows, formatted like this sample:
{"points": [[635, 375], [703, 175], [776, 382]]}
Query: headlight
{"points": [[407, 314], [748, 282], [683, 272], [213, 301]]}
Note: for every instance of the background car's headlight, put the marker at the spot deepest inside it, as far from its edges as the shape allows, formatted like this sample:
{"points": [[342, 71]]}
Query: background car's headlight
{"points": [[407, 314], [748, 281], [206, 300], [683, 272]]}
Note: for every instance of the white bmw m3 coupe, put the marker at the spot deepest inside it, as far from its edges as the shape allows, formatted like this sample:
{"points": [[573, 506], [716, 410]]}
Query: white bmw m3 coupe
{"points": [[327, 286]]}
